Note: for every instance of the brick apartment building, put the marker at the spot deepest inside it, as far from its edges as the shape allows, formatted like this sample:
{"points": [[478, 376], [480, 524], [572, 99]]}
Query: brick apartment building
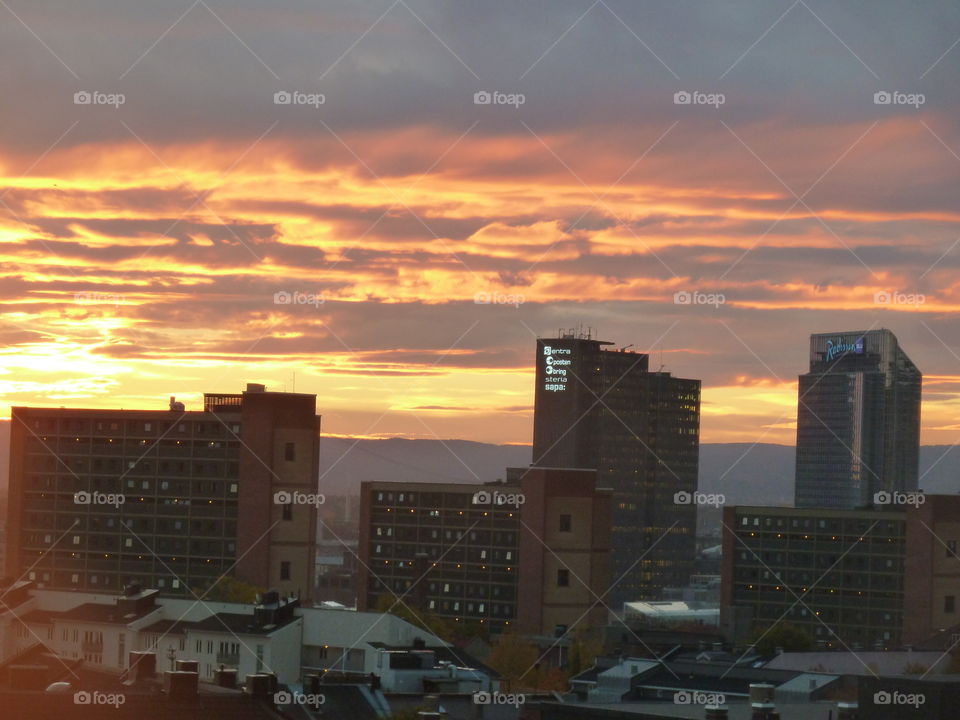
{"points": [[473, 552], [170, 499], [879, 578]]}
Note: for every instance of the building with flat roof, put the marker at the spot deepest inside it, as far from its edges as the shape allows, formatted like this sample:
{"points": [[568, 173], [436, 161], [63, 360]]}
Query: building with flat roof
{"points": [[605, 409], [531, 554], [858, 420], [170, 499], [837, 574], [865, 579]]}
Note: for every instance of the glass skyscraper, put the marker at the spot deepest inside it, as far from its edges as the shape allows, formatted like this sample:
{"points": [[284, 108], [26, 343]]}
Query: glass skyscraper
{"points": [[858, 420]]}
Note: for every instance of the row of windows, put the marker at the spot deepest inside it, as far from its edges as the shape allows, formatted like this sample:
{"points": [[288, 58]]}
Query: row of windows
{"points": [[145, 466], [849, 526], [69, 484], [82, 426]]}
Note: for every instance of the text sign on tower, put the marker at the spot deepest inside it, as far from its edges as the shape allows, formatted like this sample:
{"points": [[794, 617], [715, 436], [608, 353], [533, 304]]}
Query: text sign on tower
{"points": [[556, 363]]}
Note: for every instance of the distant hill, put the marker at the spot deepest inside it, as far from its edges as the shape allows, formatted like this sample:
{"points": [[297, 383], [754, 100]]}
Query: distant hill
{"points": [[759, 474], [345, 463], [745, 473]]}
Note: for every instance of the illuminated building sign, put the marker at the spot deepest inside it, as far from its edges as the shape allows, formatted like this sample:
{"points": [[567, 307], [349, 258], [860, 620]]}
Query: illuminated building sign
{"points": [[556, 364], [839, 347]]}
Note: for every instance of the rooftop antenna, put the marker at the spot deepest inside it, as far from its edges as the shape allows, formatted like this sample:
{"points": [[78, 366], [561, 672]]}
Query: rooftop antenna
{"points": [[661, 358]]}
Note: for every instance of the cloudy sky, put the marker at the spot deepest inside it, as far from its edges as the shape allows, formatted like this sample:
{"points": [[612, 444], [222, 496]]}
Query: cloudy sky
{"points": [[196, 195]]}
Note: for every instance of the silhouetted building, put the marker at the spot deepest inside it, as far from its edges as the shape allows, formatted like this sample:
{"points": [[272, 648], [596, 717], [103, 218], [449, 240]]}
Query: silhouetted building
{"points": [[530, 555], [605, 410], [167, 498], [858, 420]]}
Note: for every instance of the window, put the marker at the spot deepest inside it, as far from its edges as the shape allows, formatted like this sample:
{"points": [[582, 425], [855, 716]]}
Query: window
{"points": [[951, 548], [288, 511], [566, 523], [259, 658], [289, 451], [285, 570], [949, 603], [563, 577]]}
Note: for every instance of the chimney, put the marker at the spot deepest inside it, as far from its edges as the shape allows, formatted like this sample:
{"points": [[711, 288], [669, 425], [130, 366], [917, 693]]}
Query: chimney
{"points": [[761, 701], [143, 665], [180, 684], [847, 710]]}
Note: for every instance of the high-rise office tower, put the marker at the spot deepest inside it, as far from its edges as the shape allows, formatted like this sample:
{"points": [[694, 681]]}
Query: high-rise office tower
{"points": [[604, 409], [858, 420], [167, 498]]}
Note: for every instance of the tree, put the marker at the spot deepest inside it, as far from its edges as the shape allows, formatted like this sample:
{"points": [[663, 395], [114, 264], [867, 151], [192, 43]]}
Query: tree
{"points": [[582, 654], [229, 590], [515, 661], [783, 635]]}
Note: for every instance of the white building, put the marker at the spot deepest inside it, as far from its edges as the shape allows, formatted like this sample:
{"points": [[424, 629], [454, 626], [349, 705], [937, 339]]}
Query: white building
{"points": [[670, 612], [277, 635]]}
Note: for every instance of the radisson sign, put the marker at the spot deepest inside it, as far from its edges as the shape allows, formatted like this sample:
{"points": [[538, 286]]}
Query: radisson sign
{"points": [[839, 347]]}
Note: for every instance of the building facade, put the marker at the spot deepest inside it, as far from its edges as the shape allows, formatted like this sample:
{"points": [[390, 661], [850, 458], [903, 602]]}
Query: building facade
{"points": [[858, 420], [171, 499], [932, 587], [604, 409], [837, 574], [532, 555]]}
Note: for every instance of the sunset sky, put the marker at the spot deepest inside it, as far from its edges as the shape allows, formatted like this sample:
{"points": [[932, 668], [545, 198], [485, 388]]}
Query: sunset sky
{"points": [[144, 243]]}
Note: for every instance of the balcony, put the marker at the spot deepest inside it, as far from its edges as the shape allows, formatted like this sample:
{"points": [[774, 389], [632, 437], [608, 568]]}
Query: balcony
{"points": [[228, 658]]}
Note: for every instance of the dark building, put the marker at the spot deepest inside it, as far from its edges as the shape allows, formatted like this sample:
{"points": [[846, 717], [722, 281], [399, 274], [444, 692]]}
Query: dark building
{"points": [[532, 555], [169, 499], [604, 409], [858, 420], [845, 566]]}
